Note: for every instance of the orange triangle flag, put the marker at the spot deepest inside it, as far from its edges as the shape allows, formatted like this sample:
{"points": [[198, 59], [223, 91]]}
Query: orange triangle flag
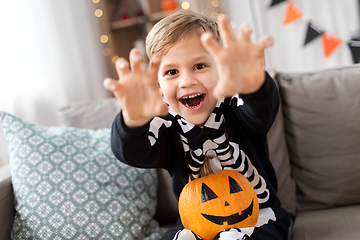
{"points": [[330, 43], [292, 13]]}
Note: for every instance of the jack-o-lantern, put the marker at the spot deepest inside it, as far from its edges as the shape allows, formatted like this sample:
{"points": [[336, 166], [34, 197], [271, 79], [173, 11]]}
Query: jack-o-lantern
{"points": [[216, 202]]}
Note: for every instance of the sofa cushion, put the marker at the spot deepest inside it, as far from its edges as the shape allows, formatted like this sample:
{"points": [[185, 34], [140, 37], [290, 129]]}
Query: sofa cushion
{"points": [[329, 224], [68, 185], [321, 113]]}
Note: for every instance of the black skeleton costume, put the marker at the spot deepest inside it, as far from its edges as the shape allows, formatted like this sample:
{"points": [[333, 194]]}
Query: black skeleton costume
{"points": [[234, 136]]}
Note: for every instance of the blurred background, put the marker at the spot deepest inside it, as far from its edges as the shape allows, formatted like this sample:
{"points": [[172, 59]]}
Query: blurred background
{"points": [[53, 53]]}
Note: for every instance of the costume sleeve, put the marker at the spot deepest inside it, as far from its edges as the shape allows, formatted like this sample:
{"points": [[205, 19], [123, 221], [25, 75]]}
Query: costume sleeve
{"points": [[258, 110], [142, 146]]}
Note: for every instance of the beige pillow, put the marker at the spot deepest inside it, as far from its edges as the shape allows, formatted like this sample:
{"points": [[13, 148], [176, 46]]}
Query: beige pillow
{"points": [[322, 125], [90, 114]]}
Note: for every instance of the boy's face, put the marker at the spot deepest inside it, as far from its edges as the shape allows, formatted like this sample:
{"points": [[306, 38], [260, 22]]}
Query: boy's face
{"points": [[187, 78]]}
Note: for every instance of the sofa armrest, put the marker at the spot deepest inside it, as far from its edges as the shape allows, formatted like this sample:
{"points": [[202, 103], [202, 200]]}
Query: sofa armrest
{"points": [[7, 209]]}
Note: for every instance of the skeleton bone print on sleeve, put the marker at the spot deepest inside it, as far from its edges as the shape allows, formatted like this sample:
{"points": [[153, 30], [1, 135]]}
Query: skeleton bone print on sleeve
{"points": [[155, 125]]}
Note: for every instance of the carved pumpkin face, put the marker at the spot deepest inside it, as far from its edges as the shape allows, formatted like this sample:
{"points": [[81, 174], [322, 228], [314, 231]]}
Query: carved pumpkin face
{"points": [[217, 202]]}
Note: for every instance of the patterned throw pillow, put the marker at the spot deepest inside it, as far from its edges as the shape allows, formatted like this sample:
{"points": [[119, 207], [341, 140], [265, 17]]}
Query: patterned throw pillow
{"points": [[68, 185]]}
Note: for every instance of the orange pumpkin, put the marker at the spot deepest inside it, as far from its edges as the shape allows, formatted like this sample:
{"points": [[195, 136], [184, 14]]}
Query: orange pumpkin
{"points": [[216, 202]]}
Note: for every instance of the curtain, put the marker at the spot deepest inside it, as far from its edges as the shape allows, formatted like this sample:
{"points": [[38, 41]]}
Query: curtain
{"points": [[289, 53], [50, 56]]}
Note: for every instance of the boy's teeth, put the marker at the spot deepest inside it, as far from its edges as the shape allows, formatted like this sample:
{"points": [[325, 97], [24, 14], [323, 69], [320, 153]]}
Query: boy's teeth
{"points": [[192, 96]]}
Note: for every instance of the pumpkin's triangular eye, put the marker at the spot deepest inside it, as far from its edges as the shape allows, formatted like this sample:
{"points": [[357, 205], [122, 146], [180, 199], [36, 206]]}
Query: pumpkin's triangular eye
{"points": [[206, 193], [234, 186]]}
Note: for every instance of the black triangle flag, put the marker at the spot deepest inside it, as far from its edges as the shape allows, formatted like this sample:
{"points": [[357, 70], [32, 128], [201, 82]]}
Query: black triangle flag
{"points": [[355, 50], [274, 2], [355, 37], [312, 32]]}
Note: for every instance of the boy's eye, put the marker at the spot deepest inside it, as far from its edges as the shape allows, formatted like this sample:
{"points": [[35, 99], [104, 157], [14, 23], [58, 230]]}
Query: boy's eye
{"points": [[199, 66], [171, 72]]}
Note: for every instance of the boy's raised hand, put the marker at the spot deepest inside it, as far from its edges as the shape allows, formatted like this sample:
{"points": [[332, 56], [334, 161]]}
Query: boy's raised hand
{"points": [[137, 89], [239, 61]]}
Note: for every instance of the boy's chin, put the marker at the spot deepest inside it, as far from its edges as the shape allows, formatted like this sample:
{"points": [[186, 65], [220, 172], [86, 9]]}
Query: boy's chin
{"points": [[197, 118]]}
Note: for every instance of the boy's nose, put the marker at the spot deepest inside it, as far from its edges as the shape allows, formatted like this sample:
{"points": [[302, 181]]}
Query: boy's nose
{"points": [[187, 80]]}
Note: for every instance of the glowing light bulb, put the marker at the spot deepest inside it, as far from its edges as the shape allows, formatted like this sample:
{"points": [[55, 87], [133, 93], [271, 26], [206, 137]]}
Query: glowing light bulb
{"points": [[219, 15], [98, 12], [215, 3], [114, 58], [96, 1], [104, 38], [185, 5], [106, 51]]}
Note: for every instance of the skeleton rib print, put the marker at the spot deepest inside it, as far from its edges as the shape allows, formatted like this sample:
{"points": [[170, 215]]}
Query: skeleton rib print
{"points": [[212, 142], [226, 155]]}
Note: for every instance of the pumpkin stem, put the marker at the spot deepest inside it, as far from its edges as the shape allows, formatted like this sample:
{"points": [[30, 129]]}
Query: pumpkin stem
{"points": [[206, 167]]}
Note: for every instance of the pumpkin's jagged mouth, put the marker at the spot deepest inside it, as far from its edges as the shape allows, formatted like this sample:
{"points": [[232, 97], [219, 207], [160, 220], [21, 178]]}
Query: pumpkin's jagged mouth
{"points": [[232, 219], [192, 101]]}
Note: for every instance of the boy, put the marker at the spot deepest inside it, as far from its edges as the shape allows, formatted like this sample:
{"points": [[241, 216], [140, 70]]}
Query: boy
{"points": [[213, 100]]}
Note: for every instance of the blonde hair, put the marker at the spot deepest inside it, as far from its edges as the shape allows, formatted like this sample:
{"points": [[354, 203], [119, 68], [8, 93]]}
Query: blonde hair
{"points": [[172, 28]]}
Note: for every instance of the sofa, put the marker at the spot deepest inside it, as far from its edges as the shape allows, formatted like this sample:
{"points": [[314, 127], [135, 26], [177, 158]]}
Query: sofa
{"points": [[314, 148]]}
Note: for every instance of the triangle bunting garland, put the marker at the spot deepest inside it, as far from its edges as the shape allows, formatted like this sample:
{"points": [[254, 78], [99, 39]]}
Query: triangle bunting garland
{"points": [[312, 33], [275, 2], [355, 50], [330, 42], [292, 13]]}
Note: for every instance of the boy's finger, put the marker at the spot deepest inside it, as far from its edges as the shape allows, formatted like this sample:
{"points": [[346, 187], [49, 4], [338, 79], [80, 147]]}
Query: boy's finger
{"points": [[210, 44], [111, 85], [154, 65], [245, 32], [122, 67], [136, 60], [265, 42], [225, 30]]}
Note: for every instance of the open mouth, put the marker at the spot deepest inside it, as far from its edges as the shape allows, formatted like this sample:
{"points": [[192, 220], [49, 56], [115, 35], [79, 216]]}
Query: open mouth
{"points": [[192, 101]]}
